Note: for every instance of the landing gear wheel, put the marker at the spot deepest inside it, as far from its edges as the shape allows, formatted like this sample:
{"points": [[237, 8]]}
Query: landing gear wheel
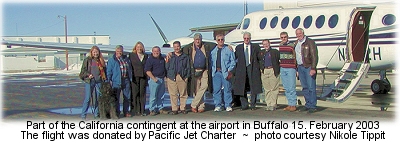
{"points": [[380, 86], [377, 86]]}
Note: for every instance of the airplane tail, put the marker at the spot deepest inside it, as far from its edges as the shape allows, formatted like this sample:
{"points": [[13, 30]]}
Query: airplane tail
{"points": [[160, 31]]}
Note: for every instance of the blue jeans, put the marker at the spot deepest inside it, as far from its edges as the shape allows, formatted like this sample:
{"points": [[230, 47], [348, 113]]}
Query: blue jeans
{"points": [[309, 86], [218, 82], [157, 90], [89, 87], [288, 77], [126, 92]]}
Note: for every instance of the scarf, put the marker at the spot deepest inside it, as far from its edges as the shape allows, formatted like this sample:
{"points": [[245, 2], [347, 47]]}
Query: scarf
{"points": [[101, 69]]}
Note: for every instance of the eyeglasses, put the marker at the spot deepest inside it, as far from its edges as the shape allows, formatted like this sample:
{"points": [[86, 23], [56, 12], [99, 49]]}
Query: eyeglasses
{"points": [[246, 38], [220, 39], [284, 37]]}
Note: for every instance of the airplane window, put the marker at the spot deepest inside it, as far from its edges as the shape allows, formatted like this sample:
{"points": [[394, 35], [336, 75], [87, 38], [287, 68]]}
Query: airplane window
{"points": [[246, 23], [263, 23], [388, 19], [320, 21], [274, 21], [307, 22], [285, 22], [333, 20], [296, 22]]}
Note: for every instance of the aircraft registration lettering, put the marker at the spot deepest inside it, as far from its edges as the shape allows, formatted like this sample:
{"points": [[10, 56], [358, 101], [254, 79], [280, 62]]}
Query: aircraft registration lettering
{"points": [[376, 53]]}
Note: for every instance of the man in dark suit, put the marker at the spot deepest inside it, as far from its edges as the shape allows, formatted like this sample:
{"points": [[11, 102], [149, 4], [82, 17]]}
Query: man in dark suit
{"points": [[247, 72], [270, 70]]}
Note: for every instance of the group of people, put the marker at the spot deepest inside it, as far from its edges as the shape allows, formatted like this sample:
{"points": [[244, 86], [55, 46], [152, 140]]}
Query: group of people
{"points": [[259, 69], [126, 75], [200, 66]]}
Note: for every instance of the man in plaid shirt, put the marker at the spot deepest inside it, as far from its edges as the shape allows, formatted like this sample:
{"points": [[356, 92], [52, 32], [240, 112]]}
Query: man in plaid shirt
{"points": [[119, 74]]}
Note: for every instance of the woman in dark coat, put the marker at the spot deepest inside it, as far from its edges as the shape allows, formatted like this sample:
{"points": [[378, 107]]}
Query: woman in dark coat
{"points": [[139, 82]]}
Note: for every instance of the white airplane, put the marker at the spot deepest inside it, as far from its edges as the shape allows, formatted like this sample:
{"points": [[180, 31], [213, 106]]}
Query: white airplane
{"points": [[352, 38]]}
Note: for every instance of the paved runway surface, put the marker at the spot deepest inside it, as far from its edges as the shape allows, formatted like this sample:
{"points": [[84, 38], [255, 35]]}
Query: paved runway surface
{"points": [[55, 96]]}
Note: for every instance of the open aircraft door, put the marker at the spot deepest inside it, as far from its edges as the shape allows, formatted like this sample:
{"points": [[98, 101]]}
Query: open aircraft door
{"points": [[357, 61]]}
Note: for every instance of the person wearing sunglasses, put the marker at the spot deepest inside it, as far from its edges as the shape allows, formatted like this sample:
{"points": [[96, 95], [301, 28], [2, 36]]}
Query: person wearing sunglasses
{"points": [[222, 64]]}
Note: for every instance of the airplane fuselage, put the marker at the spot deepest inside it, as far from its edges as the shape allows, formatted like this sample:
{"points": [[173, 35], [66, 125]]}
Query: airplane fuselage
{"points": [[328, 27]]}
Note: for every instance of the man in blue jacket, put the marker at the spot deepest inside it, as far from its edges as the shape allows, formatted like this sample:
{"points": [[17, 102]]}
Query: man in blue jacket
{"points": [[119, 74], [222, 64]]}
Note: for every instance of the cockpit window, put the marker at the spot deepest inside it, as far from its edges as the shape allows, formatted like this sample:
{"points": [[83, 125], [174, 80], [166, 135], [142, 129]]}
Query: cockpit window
{"points": [[263, 23], [246, 23], [240, 25], [285, 22], [388, 19], [307, 22], [320, 21], [296, 22], [333, 20], [274, 22]]}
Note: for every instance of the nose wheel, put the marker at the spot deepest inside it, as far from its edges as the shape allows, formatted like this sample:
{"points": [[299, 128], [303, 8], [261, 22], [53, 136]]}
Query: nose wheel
{"points": [[381, 85]]}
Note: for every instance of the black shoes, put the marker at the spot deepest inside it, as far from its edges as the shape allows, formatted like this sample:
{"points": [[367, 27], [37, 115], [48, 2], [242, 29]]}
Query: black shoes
{"points": [[309, 110], [140, 114], [302, 109], [174, 112], [246, 108], [183, 111], [312, 110]]}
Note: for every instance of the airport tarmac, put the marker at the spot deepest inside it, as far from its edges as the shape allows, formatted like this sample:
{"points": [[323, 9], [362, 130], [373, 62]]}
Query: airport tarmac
{"points": [[59, 96]]}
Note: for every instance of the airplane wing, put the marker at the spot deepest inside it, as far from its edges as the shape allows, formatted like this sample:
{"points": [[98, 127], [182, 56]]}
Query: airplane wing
{"points": [[76, 47]]}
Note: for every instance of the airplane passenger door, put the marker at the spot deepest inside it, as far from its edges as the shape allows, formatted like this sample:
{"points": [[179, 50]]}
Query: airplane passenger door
{"points": [[357, 63], [358, 34]]}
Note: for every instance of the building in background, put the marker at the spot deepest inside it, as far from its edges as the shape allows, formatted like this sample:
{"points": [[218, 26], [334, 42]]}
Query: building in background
{"points": [[18, 58]]}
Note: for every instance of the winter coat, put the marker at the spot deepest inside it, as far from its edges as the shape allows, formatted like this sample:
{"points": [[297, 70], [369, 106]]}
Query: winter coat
{"points": [[183, 63], [239, 84], [114, 70]]}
